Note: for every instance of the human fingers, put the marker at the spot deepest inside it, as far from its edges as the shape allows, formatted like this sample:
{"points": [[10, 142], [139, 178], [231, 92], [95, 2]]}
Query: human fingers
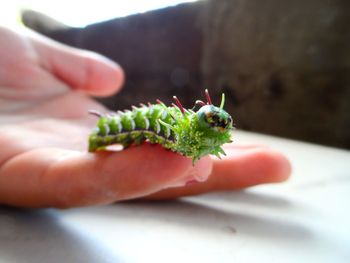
{"points": [[80, 69], [241, 168], [22, 77], [55, 177]]}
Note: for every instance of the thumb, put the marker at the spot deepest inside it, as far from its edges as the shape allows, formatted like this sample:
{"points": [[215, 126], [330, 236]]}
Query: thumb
{"points": [[80, 69]]}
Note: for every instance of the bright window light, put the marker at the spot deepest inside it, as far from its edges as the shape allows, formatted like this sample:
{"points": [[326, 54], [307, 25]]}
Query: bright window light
{"points": [[79, 13]]}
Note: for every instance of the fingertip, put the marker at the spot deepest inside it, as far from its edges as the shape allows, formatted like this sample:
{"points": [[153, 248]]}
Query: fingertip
{"points": [[80, 69], [104, 77], [197, 173], [248, 167], [202, 169], [282, 168], [274, 166]]}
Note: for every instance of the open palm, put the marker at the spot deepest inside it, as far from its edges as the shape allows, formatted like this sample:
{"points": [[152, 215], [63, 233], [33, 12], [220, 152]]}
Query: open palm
{"points": [[44, 99]]}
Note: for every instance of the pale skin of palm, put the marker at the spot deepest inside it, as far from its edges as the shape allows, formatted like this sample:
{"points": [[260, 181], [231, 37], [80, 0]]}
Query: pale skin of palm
{"points": [[45, 90]]}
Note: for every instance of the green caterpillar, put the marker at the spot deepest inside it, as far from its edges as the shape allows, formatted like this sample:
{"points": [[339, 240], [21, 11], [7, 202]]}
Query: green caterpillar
{"points": [[188, 132]]}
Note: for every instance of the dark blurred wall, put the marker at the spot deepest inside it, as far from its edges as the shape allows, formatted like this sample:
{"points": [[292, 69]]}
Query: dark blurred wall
{"points": [[284, 65]]}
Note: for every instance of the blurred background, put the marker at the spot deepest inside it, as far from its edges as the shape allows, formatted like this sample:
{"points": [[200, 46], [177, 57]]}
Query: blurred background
{"points": [[283, 65]]}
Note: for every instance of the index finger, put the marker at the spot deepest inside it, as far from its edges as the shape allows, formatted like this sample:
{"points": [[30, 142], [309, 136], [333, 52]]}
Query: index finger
{"points": [[65, 178]]}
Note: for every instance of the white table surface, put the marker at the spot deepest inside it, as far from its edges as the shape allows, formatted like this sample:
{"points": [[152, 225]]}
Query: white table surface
{"points": [[306, 219]]}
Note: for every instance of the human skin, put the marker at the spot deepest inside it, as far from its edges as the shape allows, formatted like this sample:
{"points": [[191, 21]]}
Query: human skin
{"points": [[45, 90]]}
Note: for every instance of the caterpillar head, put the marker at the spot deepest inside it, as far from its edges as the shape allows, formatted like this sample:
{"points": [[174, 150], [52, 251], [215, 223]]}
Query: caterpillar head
{"points": [[212, 117], [214, 125], [204, 131]]}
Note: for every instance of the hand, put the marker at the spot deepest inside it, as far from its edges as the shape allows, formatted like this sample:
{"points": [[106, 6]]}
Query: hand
{"points": [[44, 125]]}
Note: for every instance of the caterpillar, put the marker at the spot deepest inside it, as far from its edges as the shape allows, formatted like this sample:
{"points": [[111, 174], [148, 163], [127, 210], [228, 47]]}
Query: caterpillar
{"points": [[188, 132]]}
